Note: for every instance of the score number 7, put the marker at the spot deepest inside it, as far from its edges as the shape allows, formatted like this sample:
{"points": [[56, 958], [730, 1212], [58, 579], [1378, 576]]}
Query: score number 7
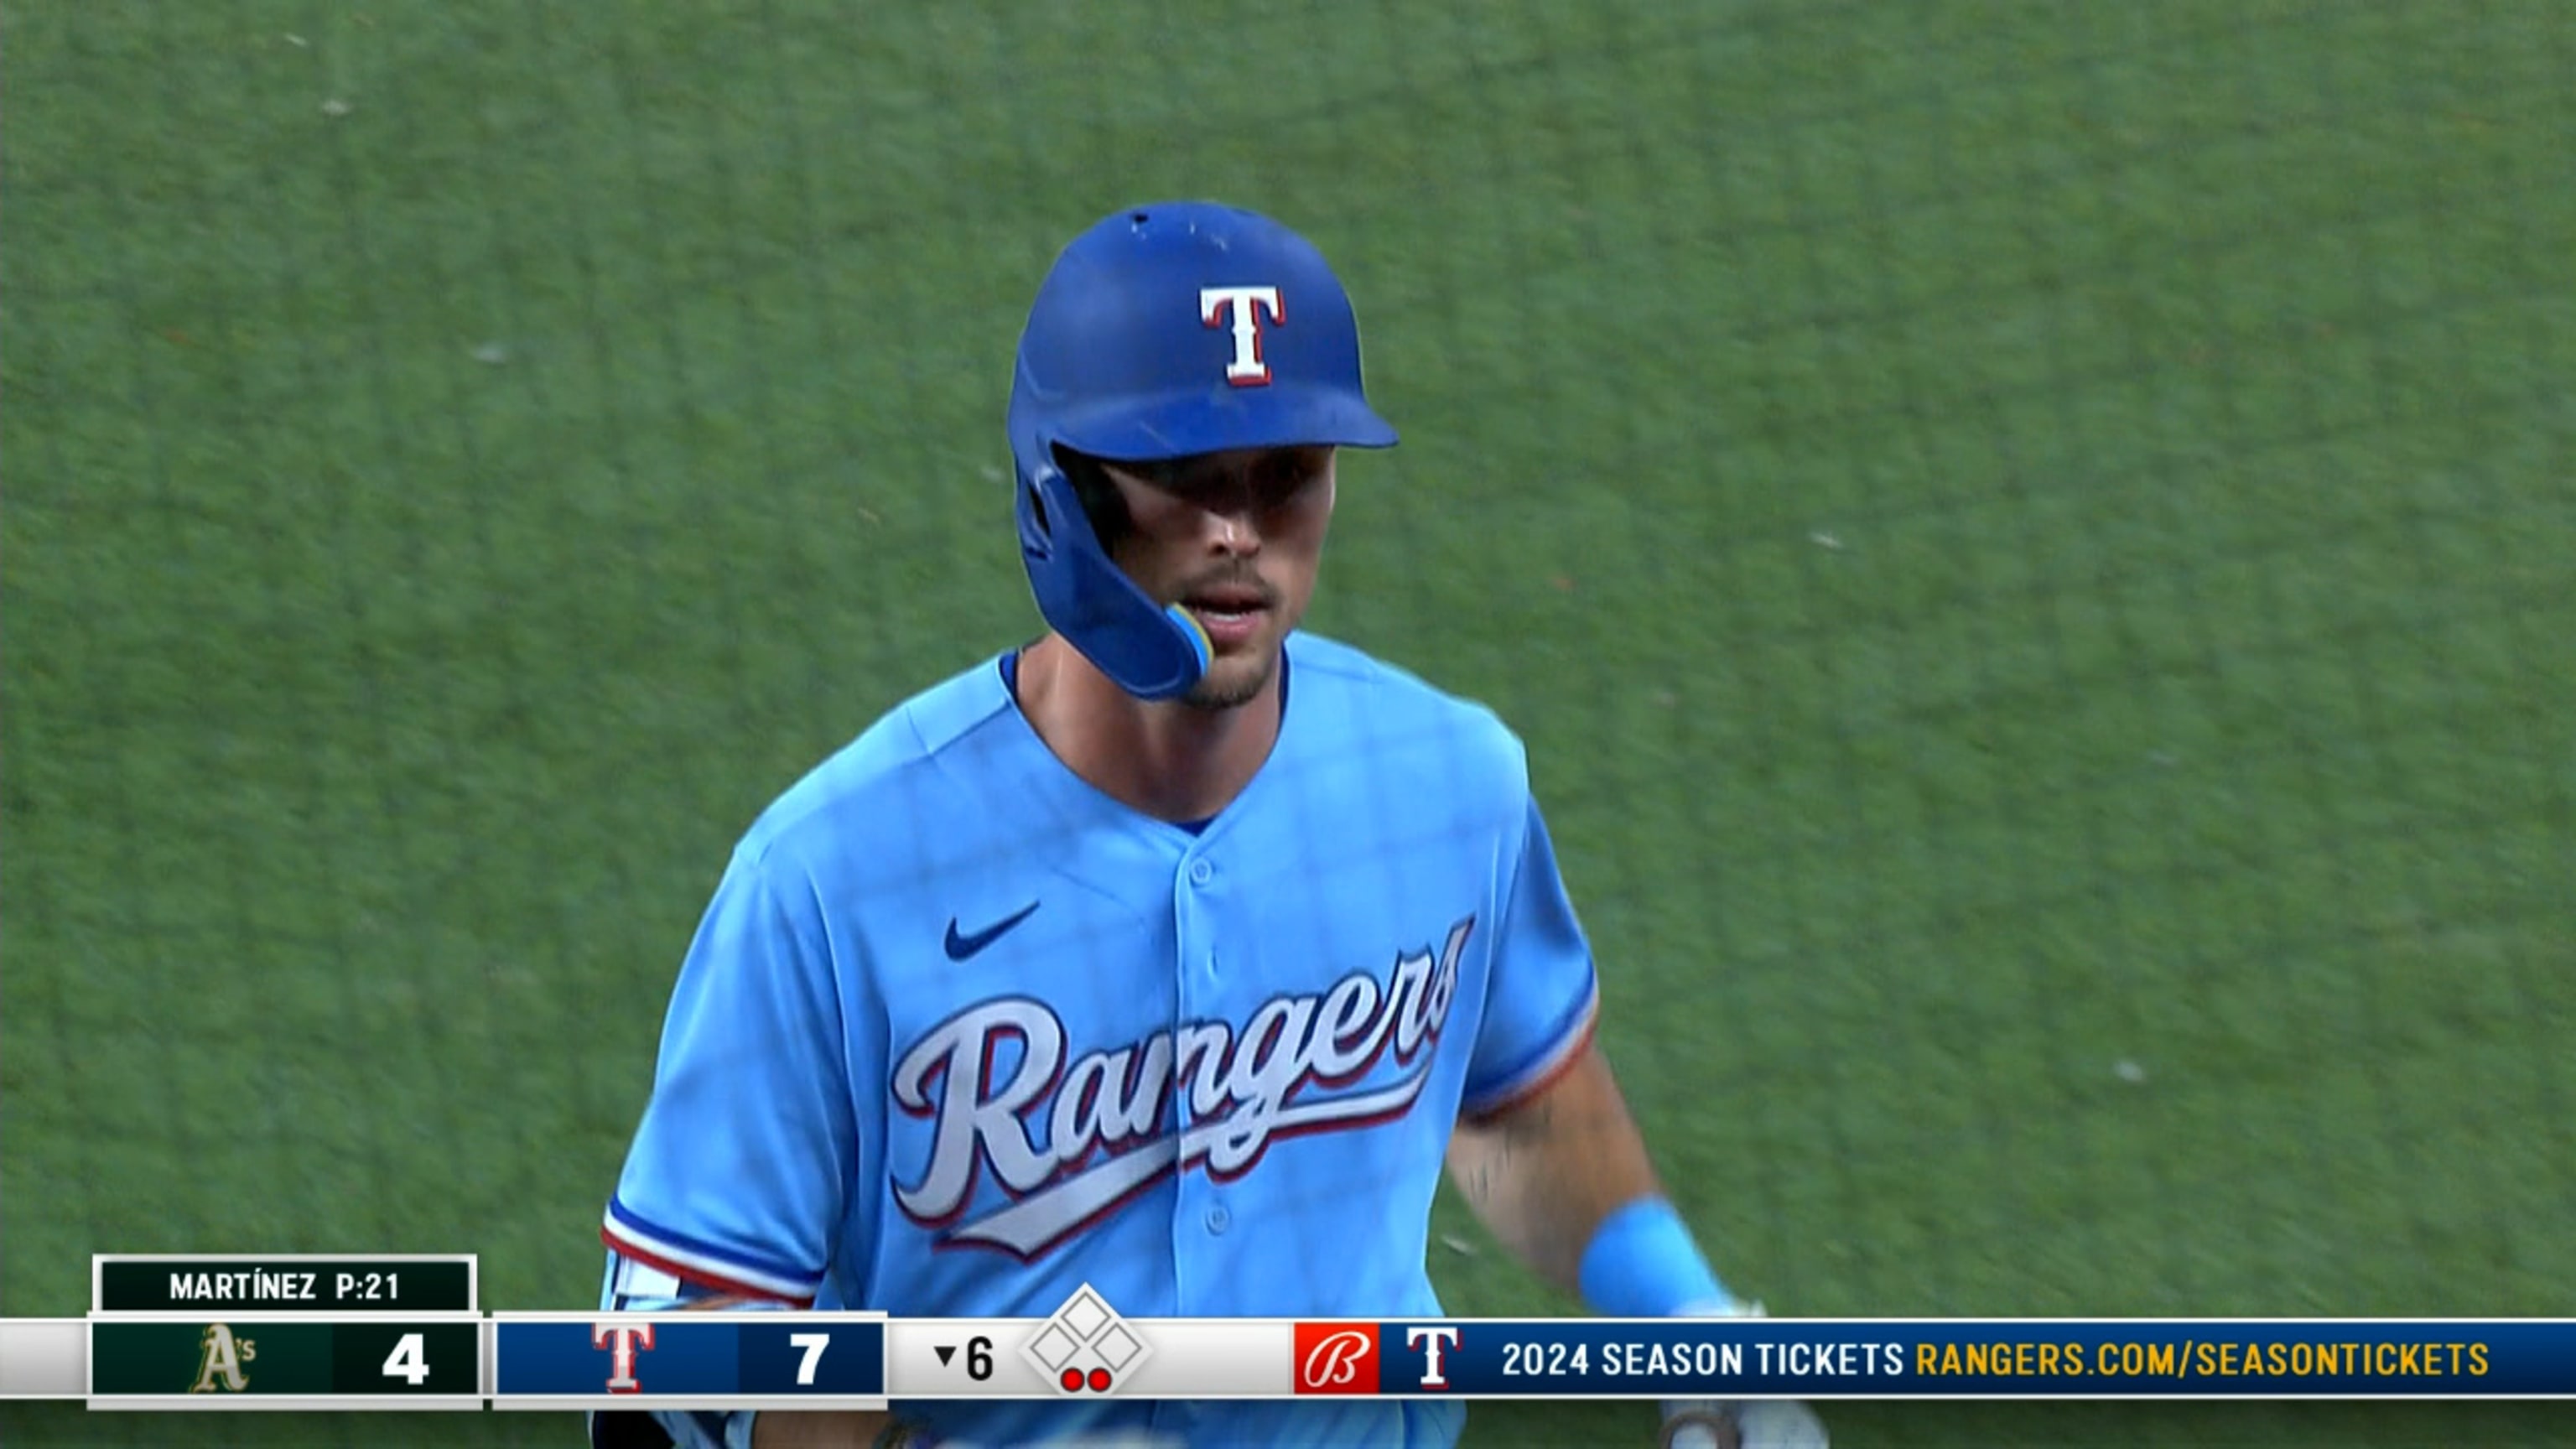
{"points": [[813, 1344]]}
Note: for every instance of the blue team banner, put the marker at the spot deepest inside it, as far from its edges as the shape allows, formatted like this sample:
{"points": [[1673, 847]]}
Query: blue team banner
{"points": [[1984, 1359], [688, 1360]]}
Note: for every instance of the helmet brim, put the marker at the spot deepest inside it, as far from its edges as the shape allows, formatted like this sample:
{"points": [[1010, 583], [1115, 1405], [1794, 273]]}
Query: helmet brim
{"points": [[1222, 419]]}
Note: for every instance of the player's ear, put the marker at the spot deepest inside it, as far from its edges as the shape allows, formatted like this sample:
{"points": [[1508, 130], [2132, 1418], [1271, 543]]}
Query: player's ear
{"points": [[1102, 503]]}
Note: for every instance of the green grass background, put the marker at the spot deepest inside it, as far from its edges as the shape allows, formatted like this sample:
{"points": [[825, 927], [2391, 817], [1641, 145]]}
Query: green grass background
{"points": [[2024, 539]]}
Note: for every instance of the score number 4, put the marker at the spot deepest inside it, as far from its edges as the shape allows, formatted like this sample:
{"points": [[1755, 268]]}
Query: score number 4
{"points": [[409, 1361]]}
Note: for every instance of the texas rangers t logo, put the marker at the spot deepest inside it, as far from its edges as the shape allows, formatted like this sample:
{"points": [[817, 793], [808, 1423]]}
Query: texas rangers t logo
{"points": [[623, 1341], [1433, 1342], [1239, 305]]}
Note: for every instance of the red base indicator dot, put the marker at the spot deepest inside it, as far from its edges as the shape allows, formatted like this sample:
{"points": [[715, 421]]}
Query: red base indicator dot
{"points": [[1100, 1381], [1073, 1381]]}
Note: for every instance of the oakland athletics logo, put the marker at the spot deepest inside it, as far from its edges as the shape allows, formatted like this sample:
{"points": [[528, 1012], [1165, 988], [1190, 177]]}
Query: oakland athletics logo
{"points": [[219, 1361]]}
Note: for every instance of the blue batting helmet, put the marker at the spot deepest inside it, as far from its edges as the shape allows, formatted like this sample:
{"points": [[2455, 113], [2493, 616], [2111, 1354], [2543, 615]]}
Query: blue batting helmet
{"points": [[1162, 332]]}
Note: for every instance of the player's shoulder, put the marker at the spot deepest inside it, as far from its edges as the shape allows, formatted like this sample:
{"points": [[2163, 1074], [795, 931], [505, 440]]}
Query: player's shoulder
{"points": [[1362, 695], [892, 776]]}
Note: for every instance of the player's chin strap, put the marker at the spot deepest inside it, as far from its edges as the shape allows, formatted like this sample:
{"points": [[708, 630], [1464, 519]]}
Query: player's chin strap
{"points": [[1738, 1423]]}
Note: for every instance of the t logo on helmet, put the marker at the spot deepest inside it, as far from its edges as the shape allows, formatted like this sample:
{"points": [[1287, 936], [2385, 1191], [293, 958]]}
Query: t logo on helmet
{"points": [[1238, 305]]}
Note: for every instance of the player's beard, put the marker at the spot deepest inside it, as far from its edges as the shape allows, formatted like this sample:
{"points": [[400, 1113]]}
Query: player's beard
{"points": [[1224, 689], [1235, 679]]}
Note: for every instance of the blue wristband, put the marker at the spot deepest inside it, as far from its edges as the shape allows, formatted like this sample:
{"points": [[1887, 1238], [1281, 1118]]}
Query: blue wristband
{"points": [[1642, 1263]]}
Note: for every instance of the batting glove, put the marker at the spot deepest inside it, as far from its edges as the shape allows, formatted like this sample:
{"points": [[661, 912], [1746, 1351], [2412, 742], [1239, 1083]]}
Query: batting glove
{"points": [[1739, 1423]]}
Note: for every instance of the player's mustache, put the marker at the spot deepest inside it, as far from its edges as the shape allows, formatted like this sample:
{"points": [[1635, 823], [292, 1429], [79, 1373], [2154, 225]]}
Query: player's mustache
{"points": [[1231, 579]]}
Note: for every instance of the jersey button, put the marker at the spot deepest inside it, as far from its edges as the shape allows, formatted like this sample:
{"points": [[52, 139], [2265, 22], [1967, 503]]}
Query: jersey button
{"points": [[1218, 1219], [1201, 872]]}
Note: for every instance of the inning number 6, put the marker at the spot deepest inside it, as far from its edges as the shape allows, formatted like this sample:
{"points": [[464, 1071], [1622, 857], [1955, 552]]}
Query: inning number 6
{"points": [[813, 1344]]}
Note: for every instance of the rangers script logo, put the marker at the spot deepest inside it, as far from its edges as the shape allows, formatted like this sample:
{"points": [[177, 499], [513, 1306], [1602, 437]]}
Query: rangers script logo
{"points": [[1239, 1091]]}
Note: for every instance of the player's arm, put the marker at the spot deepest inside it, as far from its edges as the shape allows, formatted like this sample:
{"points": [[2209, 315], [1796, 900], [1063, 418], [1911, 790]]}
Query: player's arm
{"points": [[1546, 1151], [1561, 1177], [1550, 1160], [1546, 1172]]}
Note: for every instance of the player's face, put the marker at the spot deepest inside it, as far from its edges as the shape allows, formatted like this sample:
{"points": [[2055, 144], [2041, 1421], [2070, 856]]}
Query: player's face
{"points": [[1235, 539]]}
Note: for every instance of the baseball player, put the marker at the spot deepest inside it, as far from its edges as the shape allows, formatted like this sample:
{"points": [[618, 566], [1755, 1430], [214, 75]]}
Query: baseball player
{"points": [[1174, 953]]}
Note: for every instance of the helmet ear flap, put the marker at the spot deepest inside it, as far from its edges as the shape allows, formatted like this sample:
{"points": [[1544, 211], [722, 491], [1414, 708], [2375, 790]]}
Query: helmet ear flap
{"points": [[1102, 504], [1152, 651]]}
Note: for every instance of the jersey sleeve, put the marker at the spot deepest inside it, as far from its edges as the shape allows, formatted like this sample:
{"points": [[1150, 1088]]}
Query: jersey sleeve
{"points": [[1542, 995], [738, 1175]]}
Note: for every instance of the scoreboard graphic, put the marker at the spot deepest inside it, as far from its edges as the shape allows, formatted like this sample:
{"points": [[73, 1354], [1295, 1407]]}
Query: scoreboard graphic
{"points": [[284, 1331]]}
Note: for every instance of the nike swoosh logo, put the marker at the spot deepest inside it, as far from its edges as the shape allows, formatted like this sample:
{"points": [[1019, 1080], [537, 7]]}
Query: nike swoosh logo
{"points": [[962, 947]]}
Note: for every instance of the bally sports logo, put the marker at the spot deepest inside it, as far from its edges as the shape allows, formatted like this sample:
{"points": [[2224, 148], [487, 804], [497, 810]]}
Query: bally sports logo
{"points": [[1336, 1358]]}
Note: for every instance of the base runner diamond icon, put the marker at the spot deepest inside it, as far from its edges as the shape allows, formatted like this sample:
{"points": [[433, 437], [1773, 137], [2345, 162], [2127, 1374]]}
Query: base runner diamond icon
{"points": [[1084, 1347]]}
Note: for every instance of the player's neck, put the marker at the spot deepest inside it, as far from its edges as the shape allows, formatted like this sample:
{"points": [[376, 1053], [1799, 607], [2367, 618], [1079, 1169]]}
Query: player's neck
{"points": [[1168, 760]]}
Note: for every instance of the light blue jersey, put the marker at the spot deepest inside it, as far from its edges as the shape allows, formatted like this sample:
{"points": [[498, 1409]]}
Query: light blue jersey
{"points": [[960, 1033]]}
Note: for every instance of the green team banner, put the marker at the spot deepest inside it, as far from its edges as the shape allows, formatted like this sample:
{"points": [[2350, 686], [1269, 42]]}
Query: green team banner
{"points": [[204, 1362]]}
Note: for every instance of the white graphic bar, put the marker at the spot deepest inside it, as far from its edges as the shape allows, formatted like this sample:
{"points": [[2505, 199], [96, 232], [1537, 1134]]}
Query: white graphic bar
{"points": [[1000, 1358], [44, 1358]]}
